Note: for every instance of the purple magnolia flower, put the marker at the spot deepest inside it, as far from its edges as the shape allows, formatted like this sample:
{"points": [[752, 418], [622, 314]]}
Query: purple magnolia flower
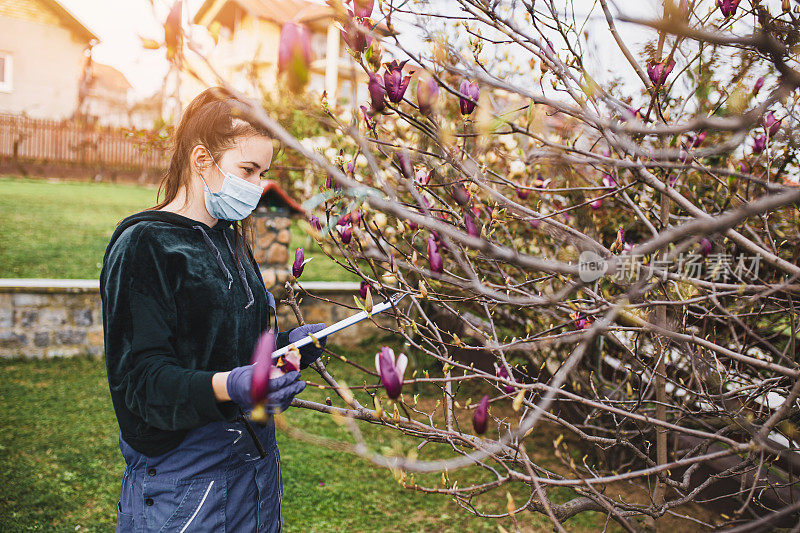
{"points": [[422, 176], [596, 203], [368, 120], [295, 53], [346, 233], [353, 217], [470, 90], [580, 321], [523, 193], [634, 113], [439, 242], [728, 7], [771, 124], [758, 85], [391, 371], [608, 181], [362, 290], [472, 228], [299, 262], [459, 193], [315, 223], [427, 94], [353, 34], [759, 143], [330, 183], [262, 359], [696, 140], [501, 372], [377, 92], [705, 247], [402, 160], [658, 72], [394, 81], [434, 257], [480, 416], [363, 8]]}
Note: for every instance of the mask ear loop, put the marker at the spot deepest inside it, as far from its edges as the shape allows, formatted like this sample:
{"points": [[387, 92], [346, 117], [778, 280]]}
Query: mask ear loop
{"points": [[216, 165]]}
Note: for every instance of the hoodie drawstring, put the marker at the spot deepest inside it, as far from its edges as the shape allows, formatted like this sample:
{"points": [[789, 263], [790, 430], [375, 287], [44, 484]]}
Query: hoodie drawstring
{"points": [[242, 275], [220, 262]]}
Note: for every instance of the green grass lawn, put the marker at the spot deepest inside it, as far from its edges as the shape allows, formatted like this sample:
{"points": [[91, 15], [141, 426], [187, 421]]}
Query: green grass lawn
{"points": [[60, 464], [60, 229]]}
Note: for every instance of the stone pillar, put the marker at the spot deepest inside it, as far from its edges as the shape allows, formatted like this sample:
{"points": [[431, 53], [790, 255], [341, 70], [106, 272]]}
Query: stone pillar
{"points": [[271, 249]]}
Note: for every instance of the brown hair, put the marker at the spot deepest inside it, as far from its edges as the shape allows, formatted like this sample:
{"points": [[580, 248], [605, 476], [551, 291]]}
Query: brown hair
{"points": [[212, 120]]}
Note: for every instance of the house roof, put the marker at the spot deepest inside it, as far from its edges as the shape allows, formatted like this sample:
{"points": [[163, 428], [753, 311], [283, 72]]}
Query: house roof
{"points": [[109, 78], [273, 194], [70, 20], [278, 11]]}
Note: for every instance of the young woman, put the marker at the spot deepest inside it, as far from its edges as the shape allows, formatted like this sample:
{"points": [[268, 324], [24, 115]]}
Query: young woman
{"points": [[184, 303]]}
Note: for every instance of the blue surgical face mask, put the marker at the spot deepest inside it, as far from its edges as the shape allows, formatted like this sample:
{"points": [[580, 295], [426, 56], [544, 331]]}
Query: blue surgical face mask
{"points": [[235, 201]]}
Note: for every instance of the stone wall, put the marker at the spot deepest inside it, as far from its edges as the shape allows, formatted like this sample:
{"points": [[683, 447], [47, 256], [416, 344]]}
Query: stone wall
{"points": [[57, 318]]}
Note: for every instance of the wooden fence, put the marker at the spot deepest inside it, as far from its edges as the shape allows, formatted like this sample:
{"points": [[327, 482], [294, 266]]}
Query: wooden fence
{"points": [[69, 143]]}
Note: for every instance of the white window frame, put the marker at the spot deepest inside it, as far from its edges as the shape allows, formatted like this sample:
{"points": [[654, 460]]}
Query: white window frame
{"points": [[7, 85]]}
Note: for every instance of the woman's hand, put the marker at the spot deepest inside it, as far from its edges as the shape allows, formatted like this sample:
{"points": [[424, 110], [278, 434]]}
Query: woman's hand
{"points": [[282, 389], [308, 353]]}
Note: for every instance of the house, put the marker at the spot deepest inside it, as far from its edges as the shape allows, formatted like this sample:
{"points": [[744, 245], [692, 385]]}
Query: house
{"points": [[42, 48], [147, 112], [107, 95], [247, 52]]}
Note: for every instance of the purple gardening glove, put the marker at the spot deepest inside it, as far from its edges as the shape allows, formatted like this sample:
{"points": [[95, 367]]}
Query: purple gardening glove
{"points": [[281, 389], [308, 353]]}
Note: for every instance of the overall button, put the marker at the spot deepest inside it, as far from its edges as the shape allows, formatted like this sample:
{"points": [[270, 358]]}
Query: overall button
{"points": [[149, 501], [152, 471]]}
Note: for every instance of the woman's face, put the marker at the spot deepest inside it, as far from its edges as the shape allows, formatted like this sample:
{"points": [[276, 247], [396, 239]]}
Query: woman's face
{"points": [[249, 158]]}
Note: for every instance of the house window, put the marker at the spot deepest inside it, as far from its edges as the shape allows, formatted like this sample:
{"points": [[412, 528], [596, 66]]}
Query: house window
{"points": [[6, 72]]}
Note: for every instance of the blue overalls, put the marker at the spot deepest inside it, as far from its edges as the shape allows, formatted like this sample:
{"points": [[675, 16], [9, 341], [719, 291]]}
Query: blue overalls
{"points": [[215, 480]]}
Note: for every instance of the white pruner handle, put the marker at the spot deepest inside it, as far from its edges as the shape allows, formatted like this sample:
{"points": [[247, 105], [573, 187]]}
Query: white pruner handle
{"points": [[342, 324]]}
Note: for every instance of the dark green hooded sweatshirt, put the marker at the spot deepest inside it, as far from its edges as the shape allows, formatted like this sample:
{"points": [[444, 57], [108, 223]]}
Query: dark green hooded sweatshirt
{"points": [[176, 309]]}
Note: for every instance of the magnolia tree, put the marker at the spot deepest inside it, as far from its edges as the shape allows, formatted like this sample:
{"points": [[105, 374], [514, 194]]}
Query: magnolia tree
{"points": [[594, 208]]}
